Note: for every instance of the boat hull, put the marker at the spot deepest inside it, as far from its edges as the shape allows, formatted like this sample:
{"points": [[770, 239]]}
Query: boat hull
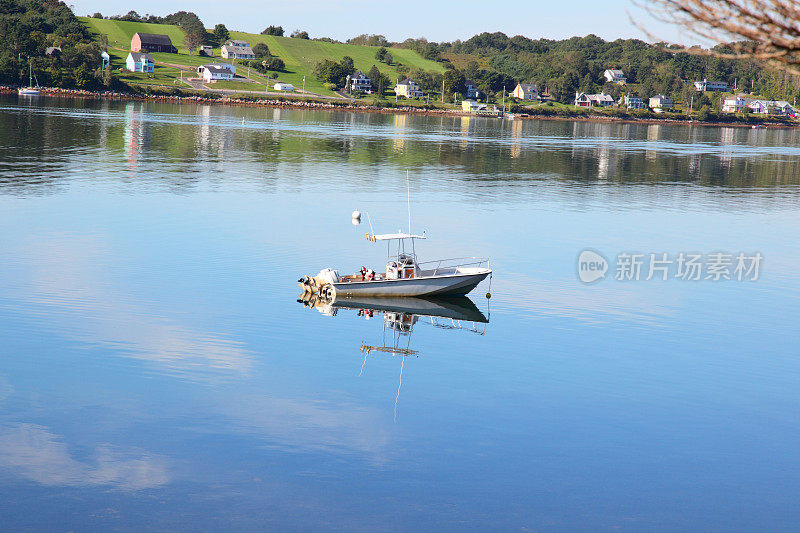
{"points": [[450, 285], [28, 92]]}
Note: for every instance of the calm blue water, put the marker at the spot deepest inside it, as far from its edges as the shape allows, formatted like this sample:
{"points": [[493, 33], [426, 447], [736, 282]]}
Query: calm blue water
{"points": [[158, 373]]}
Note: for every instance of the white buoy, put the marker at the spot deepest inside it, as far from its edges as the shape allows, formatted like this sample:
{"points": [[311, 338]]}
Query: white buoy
{"points": [[356, 221], [357, 214]]}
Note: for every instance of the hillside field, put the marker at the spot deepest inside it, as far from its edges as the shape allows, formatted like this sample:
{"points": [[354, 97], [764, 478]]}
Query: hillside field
{"points": [[299, 55]]}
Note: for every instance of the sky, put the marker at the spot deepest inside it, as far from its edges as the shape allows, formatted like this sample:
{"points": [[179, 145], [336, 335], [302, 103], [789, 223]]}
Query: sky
{"points": [[442, 20]]}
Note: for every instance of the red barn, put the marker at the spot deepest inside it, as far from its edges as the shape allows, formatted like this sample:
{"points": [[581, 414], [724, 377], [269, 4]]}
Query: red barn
{"points": [[152, 42]]}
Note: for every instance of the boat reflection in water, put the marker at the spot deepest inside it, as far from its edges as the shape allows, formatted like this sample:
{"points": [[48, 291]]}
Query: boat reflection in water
{"points": [[400, 316]]}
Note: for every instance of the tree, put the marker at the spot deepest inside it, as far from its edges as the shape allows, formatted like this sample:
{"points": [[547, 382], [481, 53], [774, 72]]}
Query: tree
{"points": [[453, 82], [97, 15], [261, 50], [221, 33], [299, 34], [380, 54], [388, 59], [379, 81], [273, 30], [192, 41]]}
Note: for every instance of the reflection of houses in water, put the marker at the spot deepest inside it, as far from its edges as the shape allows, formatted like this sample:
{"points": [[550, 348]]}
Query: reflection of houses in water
{"points": [[516, 137], [400, 316], [727, 140], [134, 136], [653, 135], [398, 141], [204, 131]]}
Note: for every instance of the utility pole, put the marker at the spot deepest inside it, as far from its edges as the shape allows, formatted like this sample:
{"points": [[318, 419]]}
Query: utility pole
{"points": [[504, 98], [691, 103], [443, 89], [304, 84]]}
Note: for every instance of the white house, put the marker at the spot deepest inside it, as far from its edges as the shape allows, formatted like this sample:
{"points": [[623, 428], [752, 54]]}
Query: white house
{"points": [[471, 90], [783, 108], [237, 50], [281, 86], [360, 82], [526, 91], [631, 101], [216, 71], [472, 106], [105, 59], [734, 104], [140, 62], [661, 102], [593, 100], [706, 85], [615, 76], [408, 88], [760, 107]]}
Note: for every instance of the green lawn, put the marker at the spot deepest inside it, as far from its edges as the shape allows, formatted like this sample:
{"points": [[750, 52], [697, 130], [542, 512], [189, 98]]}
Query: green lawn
{"points": [[299, 55], [120, 32]]}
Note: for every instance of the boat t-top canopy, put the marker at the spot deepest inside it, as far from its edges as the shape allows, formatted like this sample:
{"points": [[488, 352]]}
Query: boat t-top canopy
{"points": [[393, 236]]}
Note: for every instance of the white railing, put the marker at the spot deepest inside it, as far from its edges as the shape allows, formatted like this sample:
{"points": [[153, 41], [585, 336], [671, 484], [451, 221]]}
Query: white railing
{"points": [[456, 262]]}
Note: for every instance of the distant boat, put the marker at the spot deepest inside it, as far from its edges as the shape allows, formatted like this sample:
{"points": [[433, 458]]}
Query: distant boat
{"points": [[30, 90]]}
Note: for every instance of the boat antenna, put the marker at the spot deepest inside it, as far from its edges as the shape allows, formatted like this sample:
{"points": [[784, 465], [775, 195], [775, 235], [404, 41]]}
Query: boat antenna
{"points": [[372, 231], [408, 190]]}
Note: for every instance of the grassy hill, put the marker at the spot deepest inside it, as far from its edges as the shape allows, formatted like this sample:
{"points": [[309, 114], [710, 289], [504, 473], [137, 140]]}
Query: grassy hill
{"points": [[299, 55]]}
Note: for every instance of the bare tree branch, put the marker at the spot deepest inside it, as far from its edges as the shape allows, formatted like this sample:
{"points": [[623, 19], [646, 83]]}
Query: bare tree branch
{"points": [[767, 31]]}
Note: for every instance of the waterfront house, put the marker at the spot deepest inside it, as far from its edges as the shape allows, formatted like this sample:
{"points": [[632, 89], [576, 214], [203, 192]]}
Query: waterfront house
{"points": [[615, 76], [152, 42], [472, 106], [280, 86], [237, 50], [783, 108], [661, 102], [216, 71], [593, 100], [140, 62], [471, 90], [361, 83], [408, 88], [632, 101], [760, 107], [526, 91], [105, 59], [734, 104], [705, 85]]}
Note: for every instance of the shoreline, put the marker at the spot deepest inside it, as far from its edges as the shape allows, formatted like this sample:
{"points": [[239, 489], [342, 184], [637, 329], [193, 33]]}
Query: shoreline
{"points": [[290, 103]]}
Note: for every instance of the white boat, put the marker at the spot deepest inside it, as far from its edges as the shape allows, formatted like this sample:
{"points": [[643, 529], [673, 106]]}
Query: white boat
{"points": [[404, 276], [30, 90]]}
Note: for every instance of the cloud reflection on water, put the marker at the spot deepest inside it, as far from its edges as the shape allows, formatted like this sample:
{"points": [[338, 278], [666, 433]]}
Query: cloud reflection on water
{"points": [[36, 454]]}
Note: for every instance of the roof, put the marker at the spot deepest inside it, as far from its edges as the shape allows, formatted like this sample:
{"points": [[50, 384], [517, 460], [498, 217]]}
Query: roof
{"points": [[236, 49], [615, 72], [138, 56], [51, 49], [234, 42], [154, 38], [359, 75], [602, 97], [528, 87], [393, 236], [407, 81], [218, 69]]}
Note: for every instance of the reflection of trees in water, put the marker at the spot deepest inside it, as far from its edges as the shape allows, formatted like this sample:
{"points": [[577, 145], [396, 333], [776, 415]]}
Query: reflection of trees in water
{"points": [[186, 146]]}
